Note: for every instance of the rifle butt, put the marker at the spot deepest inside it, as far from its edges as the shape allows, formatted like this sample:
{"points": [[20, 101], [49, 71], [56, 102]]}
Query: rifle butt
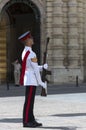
{"points": [[43, 92]]}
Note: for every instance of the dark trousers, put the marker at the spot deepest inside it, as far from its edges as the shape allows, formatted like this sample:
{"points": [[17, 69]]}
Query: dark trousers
{"points": [[28, 115]]}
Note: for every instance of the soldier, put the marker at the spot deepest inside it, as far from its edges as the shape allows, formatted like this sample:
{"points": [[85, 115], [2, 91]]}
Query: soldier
{"points": [[30, 78], [17, 69]]}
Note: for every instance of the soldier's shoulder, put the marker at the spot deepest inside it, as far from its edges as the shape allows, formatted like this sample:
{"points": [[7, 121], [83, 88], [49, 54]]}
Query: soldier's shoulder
{"points": [[33, 54]]}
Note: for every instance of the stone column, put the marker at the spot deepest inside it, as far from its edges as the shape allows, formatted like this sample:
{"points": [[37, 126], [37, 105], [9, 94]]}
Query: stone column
{"points": [[82, 36], [57, 36], [75, 39], [73, 50], [73, 34], [65, 33], [49, 10]]}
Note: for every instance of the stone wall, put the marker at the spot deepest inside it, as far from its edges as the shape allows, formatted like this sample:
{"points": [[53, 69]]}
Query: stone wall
{"points": [[65, 26]]}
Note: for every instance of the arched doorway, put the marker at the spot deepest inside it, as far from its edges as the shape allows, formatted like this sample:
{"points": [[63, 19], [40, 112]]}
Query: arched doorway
{"points": [[19, 16]]}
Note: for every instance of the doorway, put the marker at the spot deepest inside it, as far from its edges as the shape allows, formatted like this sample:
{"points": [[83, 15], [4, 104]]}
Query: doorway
{"points": [[20, 16]]}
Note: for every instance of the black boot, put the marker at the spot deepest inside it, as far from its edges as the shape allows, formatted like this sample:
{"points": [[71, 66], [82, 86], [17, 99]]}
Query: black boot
{"points": [[32, 124]]}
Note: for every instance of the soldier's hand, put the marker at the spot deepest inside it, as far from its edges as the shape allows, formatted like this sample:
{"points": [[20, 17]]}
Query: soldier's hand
{"points": [[45, 66], [44, 85]]}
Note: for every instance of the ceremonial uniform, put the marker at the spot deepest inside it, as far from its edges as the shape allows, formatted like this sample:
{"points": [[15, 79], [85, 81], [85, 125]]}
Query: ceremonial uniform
{"points": [[30, 78], [32, 75]]}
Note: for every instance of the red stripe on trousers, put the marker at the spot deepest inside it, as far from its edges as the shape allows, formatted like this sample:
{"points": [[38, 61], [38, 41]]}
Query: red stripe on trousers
{"points": [[23, 68], [28, 104]]}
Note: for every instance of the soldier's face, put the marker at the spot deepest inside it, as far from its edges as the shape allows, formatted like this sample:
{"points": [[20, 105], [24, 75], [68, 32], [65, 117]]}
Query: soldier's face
{"points": [[29, 42]]}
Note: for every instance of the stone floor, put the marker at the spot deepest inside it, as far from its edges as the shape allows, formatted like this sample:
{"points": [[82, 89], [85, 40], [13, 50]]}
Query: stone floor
{"points": [[56, 112]]}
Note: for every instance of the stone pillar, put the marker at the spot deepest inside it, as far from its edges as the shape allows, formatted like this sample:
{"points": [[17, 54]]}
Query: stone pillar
{"points": [[82, 35], [73, 34], [49, 19], [65, 33], [75, 40], [65, 26], [57, 36], [49, 10]]}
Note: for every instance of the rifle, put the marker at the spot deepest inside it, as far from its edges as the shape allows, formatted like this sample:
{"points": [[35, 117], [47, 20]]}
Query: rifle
{"points": [[45, 72]]}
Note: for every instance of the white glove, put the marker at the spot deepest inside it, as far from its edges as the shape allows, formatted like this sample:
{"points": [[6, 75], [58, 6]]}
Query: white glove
{"points": [[44, 85], [45, 66]]}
